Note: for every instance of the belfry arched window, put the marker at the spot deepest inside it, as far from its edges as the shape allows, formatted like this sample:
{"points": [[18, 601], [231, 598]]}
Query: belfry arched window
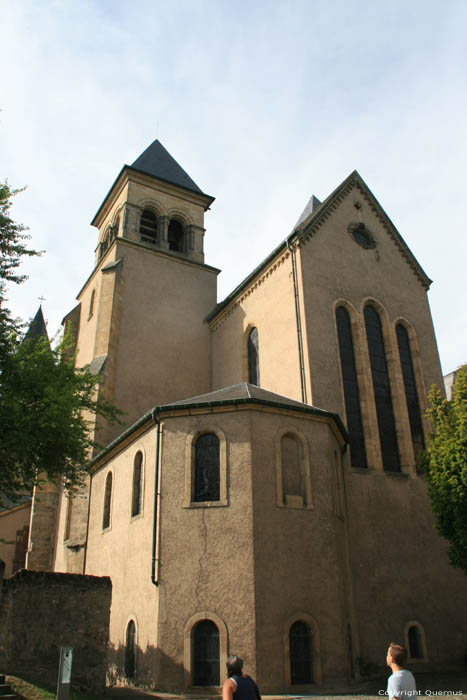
{"points": [[206, 654], [206, 469], [148, 226], [382, 391], [175, 235], [411, 395], [293, 476], [130, 650], [107, 501], [253, 357], [136, 497], [351, 390], [301, 653]]}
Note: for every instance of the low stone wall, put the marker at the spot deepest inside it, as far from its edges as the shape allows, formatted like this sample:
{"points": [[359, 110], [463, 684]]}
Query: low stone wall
{"points": [[40, 612]]}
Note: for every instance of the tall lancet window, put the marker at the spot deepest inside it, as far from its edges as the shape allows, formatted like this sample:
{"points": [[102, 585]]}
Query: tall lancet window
{"points": [[107, 501], [382, 391], [253, 357], [411, 395], [351, 391]]}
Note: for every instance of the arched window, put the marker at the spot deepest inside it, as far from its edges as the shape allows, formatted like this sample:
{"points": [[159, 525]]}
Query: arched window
{"points": [[253, 357], [130, 651], [148, 226], [411, 395], [382, 391], [107, 501], [175, 235], [351, 391], [207, 471], [206, 653], [293, 477], [69, 515], [91, 304], [415, 643], [301, 653], [136, 497]]}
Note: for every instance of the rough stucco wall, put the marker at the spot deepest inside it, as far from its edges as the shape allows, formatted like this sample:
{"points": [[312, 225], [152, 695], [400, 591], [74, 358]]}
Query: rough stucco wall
{"points": [[299, 563], [40, 612], [206, 559], [268, 305], [124, 553]]}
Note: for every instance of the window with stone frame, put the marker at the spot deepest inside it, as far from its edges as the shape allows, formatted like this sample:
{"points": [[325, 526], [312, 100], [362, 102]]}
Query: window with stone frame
{"points": [[293, 472], [206, 654], [107, 501], [351, 390], [253, 357], [137, 491], [206, 486], [301, 653], [410, 388], [130, 650], [148, 226], [175, 235], [382, 390]]}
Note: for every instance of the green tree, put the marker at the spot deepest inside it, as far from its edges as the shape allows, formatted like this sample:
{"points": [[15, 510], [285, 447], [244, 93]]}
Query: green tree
{"points": [[47, 406], [445, 467]]}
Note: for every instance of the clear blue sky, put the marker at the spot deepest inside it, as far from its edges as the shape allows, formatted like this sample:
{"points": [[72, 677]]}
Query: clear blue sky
{"points": [[263, 103]]}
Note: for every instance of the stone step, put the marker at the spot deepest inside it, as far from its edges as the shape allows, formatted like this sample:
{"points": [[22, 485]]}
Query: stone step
{"points": [[5, 690]]}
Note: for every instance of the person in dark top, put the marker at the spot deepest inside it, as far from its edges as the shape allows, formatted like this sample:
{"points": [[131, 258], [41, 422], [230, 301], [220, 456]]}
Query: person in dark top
{"points": [[237, 686]]}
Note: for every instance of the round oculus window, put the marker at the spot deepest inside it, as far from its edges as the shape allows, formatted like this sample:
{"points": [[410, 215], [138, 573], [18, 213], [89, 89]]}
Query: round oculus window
{"points": [[362, 235]]}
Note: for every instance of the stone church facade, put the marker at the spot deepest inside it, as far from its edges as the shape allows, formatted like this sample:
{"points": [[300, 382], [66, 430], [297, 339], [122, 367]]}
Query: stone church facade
{"points": [[263, 496]]}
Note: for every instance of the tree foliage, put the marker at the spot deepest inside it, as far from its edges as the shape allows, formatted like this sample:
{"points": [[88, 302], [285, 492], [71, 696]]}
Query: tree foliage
{"points": [[47, 406], [46, 413], [445, 467]]}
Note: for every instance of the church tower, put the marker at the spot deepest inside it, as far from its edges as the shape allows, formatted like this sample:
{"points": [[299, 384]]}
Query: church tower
{"points": [[140, 317]]}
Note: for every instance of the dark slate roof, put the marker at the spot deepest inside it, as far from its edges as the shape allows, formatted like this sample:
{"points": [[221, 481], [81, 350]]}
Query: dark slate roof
{"points": [[237, 394], [157, 162], [37, 328]]}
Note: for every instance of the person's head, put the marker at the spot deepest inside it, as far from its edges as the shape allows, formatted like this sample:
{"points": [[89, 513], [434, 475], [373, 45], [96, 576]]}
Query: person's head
{"points": [[397, 654], [234, 665]]}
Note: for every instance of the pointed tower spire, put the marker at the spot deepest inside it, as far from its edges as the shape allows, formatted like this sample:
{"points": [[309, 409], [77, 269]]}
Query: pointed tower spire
{"points": [[157, 162], [37, 328]]}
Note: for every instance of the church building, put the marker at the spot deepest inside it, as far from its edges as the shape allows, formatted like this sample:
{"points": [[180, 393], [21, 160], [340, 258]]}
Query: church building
{"points": [[262, 497]]}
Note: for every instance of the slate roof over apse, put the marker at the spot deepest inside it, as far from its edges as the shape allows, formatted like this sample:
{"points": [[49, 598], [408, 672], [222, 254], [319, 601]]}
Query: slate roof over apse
{"points": [[245, 393], [158, 162], [237, 394], [37, 328]]}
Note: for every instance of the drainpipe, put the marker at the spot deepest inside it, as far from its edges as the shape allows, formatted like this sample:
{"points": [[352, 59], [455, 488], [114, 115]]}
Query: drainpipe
{"points": [[155, 562], [299, 324]]}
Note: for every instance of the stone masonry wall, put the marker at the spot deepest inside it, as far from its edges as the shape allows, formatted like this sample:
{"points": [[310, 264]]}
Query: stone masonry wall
{"points": [[40, 612]]}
